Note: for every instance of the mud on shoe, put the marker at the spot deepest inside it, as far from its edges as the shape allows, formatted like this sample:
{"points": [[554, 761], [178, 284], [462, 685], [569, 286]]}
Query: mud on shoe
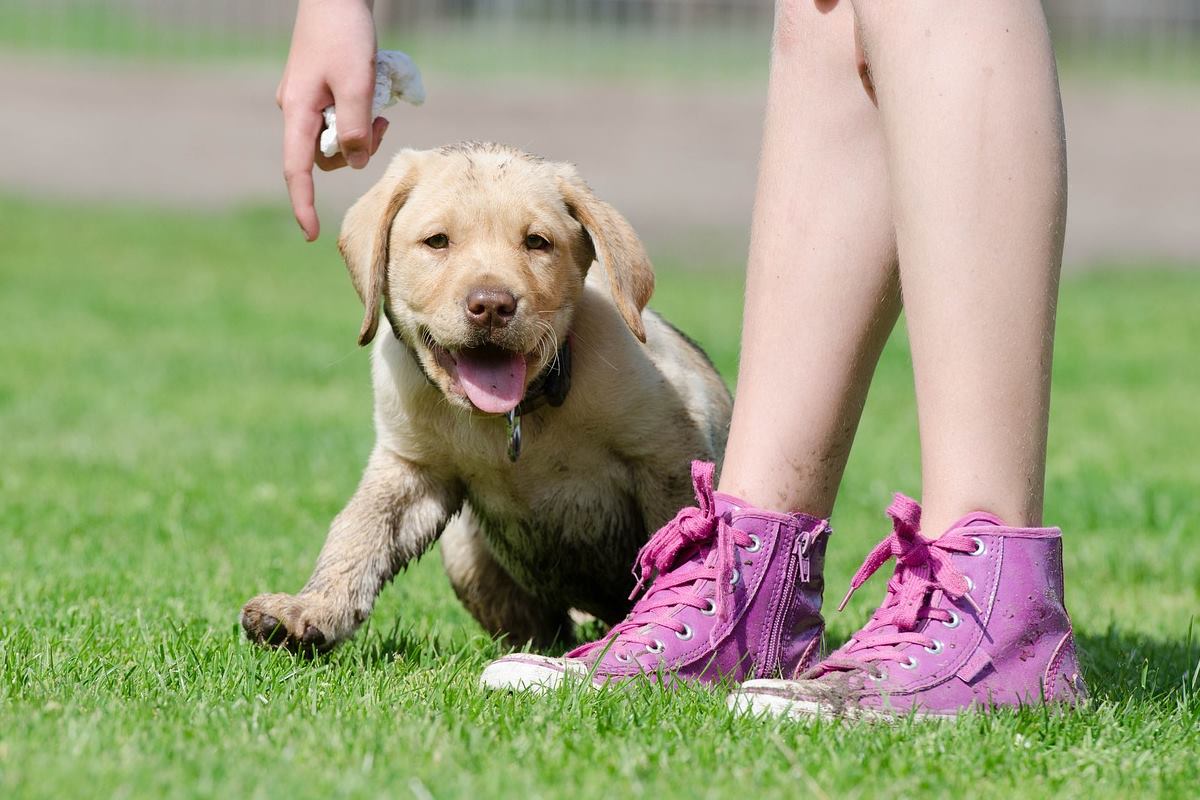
{"points": [[973, 619], [730, 592]]}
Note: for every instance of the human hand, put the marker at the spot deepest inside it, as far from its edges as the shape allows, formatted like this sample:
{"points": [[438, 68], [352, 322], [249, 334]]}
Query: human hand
{"points": [[331, 62]]}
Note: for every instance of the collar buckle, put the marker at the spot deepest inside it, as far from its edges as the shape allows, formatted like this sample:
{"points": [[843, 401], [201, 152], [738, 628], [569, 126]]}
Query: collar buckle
{"points": [[513, 426], [549, 388]]}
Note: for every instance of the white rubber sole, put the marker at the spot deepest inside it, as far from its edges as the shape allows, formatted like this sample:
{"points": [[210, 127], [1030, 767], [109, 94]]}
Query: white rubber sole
{"points": [[531, 674], [763, 704]]}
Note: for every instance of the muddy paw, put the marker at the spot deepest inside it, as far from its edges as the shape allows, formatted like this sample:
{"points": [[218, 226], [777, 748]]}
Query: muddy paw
{"points": [[293, 622]]}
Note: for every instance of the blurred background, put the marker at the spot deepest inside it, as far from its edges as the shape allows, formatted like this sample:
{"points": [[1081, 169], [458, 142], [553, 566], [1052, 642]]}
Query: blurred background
{"points": [[170, 102]]}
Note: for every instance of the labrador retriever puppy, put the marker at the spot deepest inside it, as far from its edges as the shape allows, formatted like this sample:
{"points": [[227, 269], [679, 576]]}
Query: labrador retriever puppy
{"points": [[529, 412]]}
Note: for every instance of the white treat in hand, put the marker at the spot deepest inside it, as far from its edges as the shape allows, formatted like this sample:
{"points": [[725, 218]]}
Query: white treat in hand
{"points": [[396, 78]]}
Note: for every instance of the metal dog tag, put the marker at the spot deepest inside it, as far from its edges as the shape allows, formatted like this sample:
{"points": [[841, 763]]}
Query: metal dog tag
{"points": [[514, 435]]}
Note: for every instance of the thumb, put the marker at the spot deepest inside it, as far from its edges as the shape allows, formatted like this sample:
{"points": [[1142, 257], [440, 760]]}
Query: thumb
{"points": [[352, 102]]}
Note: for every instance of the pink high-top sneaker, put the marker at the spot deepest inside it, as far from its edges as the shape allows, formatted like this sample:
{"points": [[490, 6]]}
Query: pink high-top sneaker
{"points": [[972, 619], [736, 592]]}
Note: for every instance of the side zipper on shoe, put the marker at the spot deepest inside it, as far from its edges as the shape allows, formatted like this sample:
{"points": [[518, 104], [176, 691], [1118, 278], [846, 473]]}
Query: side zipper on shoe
{"points": [[798, 566]]}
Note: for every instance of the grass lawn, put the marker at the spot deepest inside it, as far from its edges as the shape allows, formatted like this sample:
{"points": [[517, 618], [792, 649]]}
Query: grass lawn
{"points": [[183, 410]]}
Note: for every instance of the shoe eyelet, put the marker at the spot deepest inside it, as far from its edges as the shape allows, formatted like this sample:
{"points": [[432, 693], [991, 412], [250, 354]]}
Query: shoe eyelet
{"points": [[882, 676], [685, 634], [954, 620], [970, 583], [911, 663], [624, 658], [656, 648], [936, 648], [980, 547], [709, 610], [756, 546], [734, 578]]}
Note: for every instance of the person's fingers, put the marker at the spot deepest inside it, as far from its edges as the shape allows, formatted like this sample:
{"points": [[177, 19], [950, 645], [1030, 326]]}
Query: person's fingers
{"points": [[352, 100], [378, 129], [338, 160], [300, 129], [329, 163]]}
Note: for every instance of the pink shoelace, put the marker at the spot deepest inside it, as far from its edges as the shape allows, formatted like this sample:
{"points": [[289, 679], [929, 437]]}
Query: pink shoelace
{"points": [[924, 572], [675, 579]]}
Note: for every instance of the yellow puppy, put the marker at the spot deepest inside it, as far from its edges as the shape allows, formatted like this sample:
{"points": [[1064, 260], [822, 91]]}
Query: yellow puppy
{"points": [[528, 411]]}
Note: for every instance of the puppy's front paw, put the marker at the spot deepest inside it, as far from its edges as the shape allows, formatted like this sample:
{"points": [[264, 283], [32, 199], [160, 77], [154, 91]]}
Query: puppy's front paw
{"points": [[298, 623]]}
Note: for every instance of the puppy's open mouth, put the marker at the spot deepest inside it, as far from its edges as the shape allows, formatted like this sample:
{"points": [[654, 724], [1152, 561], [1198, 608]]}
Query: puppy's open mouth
{"points": [[490, 376]]}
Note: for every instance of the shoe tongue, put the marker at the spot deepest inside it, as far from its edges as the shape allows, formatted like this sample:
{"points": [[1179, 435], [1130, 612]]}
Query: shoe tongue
{"points": [[725, 506], [977, 519], [493, 378], [705, 554]]}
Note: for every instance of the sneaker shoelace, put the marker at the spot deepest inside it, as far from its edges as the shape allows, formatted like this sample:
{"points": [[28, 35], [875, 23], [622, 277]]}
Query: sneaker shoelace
{"points": [[694, 549], [924, 573]]}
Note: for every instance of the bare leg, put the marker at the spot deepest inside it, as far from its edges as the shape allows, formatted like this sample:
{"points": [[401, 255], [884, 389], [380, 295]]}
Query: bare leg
{"points": [[821, 293], [968, 98]]}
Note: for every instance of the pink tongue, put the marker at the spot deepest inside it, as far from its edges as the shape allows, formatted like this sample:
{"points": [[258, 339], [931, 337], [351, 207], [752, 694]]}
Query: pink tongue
{"points": [[493, 379]]}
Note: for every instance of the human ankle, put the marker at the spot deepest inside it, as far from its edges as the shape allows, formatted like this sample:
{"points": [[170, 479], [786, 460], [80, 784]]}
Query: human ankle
{"points": [[777, 499], [938, 518]]}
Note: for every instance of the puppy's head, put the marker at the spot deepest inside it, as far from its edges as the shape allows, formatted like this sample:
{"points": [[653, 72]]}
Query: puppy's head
{"points": [[478, 254]]}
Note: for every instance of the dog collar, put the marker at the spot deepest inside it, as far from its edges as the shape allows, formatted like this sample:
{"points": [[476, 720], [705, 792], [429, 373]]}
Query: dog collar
{"points": [[549, 388]]}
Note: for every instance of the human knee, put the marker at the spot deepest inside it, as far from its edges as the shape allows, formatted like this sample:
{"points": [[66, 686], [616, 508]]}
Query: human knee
{"points": [[871, 15], [876, 21], [812, 30]]}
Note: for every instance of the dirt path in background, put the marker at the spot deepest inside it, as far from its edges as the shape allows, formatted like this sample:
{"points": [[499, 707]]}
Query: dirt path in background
{"points": [[679, 162]]}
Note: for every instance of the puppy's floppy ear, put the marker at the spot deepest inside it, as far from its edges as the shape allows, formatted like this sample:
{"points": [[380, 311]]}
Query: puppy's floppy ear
{"points": [[616, 246], [366, 229]]}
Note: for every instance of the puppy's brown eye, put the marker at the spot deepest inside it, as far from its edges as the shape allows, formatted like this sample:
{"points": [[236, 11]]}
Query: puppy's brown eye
{"points": [[535, 242], [439, 241]]}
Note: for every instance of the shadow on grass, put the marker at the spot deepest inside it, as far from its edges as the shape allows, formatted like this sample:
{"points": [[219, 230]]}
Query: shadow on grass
{"points": [[1121, 666], [397, 644], [418, 647]]}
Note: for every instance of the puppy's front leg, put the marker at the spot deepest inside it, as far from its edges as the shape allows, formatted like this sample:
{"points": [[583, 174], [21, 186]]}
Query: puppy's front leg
{"points": [[396, 513]]}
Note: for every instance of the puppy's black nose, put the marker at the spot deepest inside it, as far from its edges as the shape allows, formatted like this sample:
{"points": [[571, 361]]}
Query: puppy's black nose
{"points": [[490, 308]]}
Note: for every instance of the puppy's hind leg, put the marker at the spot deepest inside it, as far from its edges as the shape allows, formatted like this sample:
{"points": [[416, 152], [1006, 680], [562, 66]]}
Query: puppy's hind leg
{"points": [[497, 602]]}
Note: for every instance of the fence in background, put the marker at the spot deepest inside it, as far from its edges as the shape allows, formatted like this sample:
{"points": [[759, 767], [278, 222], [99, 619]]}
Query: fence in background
{"points": [[596, 35], [1161, 34]]}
